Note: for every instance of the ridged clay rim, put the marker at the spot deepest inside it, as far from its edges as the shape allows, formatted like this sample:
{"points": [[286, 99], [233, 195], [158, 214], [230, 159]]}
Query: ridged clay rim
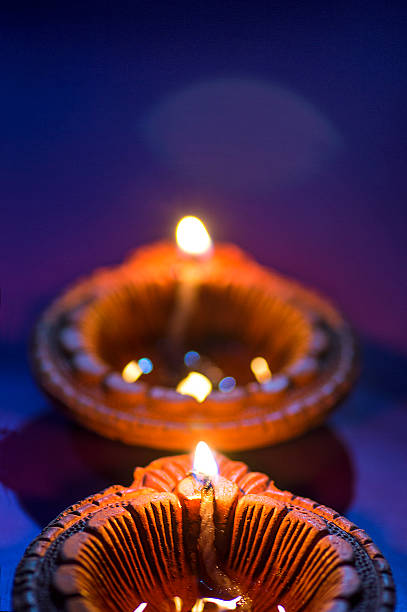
{"points": [[306, 554]]}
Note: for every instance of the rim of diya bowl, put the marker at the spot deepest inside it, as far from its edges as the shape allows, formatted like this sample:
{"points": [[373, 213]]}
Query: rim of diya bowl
{"points": [[123, 546], [88, 334]]}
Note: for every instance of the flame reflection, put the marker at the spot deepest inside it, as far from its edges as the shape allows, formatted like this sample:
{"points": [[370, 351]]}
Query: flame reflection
{"points": [[227, 384], [191, 358], [146, 365], [134, 369], [260, 369], [195, 384], [132, 372]]}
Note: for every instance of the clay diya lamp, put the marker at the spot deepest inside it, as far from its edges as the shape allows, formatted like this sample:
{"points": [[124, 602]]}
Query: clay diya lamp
{"points": [[194, 341], [184, 537]]}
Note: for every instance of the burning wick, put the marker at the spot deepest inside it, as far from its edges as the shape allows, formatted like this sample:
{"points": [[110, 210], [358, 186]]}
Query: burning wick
{"points": [[195, 244], [207, 498], [205, 471]]}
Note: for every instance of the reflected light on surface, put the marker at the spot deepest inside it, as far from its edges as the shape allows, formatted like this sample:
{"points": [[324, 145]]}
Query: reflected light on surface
{"points": [[204, 461], [134, 369], [192, 236], [260, 369], [223, 604], [178, 603], [241, 135], [227, 384], [145, 365], [132, 372], [190, 358], [195, 384]]}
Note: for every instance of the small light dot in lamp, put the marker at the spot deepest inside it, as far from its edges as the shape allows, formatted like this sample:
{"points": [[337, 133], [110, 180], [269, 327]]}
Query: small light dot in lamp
{"points": [[145, 365], [192, 236], [190, 358], [141, 607], [227, 384], [260, 369], [195, 384], [204, 461], [131, 372]]}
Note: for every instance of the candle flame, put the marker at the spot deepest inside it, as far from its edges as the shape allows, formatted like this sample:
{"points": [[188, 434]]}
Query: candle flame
{"points": [[260, 369], [195, 384], [192, 236], [204, 461], [131, 372]]}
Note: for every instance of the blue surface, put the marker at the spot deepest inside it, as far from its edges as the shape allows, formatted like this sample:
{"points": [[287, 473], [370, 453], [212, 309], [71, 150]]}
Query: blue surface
{"points": [[284, 127]]}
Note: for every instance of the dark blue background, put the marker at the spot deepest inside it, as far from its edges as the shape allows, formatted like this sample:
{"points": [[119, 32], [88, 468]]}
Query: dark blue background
{"points": [[283, 126]]}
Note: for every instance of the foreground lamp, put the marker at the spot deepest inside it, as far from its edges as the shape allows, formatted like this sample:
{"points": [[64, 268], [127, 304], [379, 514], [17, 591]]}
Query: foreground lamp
{"points": [[184, 537]]}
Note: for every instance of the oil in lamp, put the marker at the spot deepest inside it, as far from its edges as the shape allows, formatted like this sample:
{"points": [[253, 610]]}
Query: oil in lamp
{"points": [[194, 341], [201, 535]]}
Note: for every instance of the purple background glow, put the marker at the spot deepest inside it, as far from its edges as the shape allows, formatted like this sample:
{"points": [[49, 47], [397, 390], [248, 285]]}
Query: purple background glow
{"points": [[284, 129]]}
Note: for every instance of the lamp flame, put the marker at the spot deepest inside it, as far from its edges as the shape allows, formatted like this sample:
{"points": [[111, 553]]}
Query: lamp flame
{"points": [[131, 372], [195, 384], [192, 236], [260, 369], [204, 461], [141, 607]]}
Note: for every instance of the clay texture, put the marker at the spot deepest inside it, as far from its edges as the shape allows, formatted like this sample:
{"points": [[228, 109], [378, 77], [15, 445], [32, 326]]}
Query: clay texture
{"points": [[87, 335], [125, 546]]}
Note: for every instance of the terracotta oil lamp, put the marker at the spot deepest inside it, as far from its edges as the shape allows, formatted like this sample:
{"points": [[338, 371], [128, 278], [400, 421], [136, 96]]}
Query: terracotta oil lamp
{"points": [[184, 537], [194, 341]]}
